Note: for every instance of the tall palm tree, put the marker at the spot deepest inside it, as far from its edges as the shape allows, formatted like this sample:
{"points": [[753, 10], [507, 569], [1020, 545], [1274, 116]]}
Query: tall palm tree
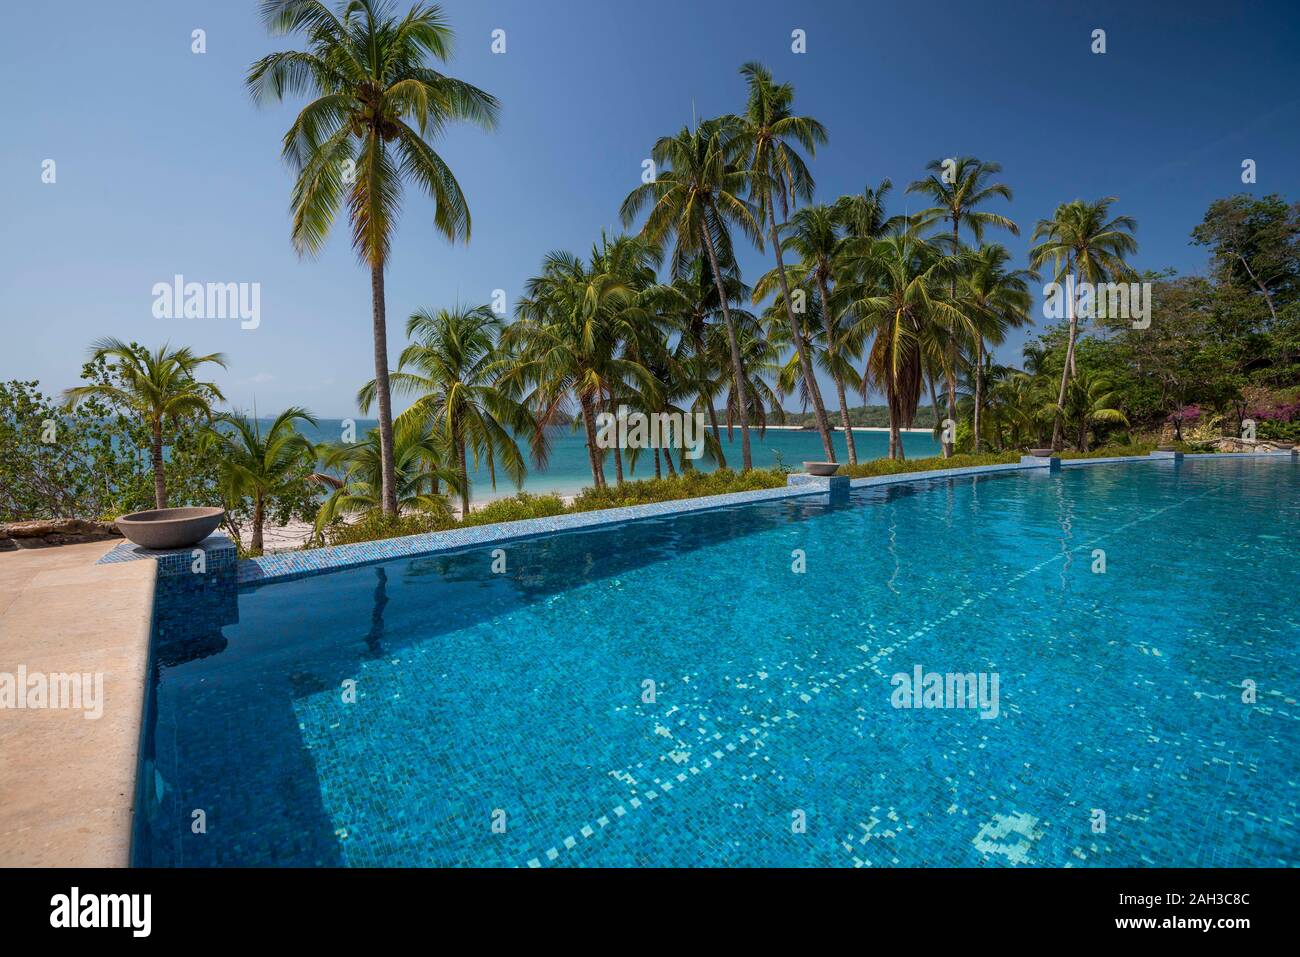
{"points": [[779, 178], [354, 473], [158, 386], [696, 199], [1084, 244], [364, 134], [1000, 301], [902, 299], [956, 192], [259, 465], [813, 235], [452, 367]]}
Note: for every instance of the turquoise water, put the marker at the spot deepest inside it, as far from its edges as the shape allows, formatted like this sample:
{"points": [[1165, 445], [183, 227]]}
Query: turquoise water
{"points": [[772, 737], [568, 470]]}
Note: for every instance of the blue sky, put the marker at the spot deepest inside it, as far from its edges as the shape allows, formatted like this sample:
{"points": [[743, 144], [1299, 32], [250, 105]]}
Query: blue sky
{"points": [[165, 166]]}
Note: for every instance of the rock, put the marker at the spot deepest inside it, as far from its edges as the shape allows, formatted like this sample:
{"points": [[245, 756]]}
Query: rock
{"points": [[40, 532]]}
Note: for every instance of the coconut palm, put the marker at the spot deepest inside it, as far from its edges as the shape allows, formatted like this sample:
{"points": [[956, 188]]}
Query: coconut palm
{"points": [[696, 199], [902, 300], [354, 473], [570, 326], [1090, 402], [957, 186], [999, 300], [158, 387], [1084, 243], [813, 234], [258, 465], [780, 177], [364, 135], [452, 367]]}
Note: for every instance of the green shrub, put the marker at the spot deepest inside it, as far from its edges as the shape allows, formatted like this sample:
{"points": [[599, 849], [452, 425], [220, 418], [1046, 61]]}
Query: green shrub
{"points": [[374, 526], [876, 467], [516, 508], [691, 484]]}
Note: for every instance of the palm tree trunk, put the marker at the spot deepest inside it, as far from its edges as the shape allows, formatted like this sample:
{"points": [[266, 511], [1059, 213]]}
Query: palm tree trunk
{"points": [[618, 460], [658, 467], [805, 361], [835, 372], [463, 469], [934, 399], [387, 470], [979, 387], [156, 460], [737, 368], [597, 469], [1058, 420], [950, 375], [717, 434], [259, 521]]}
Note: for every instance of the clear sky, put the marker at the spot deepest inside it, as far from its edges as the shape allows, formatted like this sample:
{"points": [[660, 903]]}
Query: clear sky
{"points": [[165, 166]]}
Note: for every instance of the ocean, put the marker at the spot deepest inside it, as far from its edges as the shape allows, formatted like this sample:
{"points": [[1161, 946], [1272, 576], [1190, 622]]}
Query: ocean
{"points": [[568, 471]]}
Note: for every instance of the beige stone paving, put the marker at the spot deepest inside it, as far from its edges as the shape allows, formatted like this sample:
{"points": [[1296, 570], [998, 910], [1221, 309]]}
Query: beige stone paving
{"points": [[67, 783]]}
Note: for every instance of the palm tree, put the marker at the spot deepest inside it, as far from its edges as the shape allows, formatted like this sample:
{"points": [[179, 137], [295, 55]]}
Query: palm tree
{"points": [[1083, 245], [813, 234], [697, 199], [571, 323], [1000, 300], [157, 386], [258, 465], [901, 299], [780, 176], [1091, 402], [956, 192], [452, 366], [364, 134], [419, 456]]}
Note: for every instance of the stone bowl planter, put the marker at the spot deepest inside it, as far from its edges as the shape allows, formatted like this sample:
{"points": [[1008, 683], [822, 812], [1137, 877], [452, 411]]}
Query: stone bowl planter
{"points": [[1166, 448], [170, 527], [1042, 453], [821, 468]]}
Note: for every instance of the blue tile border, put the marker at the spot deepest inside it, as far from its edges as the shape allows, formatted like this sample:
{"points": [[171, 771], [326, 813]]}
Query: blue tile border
{"points": [[284, 566], [219, 554]]}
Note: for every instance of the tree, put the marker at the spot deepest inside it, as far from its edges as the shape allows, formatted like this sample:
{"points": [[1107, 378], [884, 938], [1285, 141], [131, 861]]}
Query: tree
{"points": [[901, 300], [779, 176], [1083, 245], [261, 466], [957, 187], [157, 387], [452, 367], [354, 474], [999, 300], [1255, 243], [697, 200], [364, 134]]}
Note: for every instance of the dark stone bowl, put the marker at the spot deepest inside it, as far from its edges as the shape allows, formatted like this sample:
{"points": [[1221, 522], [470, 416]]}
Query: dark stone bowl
{"points": [[821, 468], [170, 527], [1042, 453]]}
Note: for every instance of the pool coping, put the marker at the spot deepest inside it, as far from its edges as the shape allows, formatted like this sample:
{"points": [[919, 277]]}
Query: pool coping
{"points": [[286, 566]]}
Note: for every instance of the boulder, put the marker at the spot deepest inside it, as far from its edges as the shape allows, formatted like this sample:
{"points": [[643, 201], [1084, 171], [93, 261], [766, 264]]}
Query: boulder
{"points": [[37, 533]]}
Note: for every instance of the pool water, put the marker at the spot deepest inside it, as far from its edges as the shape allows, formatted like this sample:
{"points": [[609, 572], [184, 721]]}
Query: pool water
{"points": [[431, 711]]}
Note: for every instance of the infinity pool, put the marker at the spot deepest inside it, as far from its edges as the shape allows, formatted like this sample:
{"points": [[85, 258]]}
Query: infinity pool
{"points": [[507, 719]]}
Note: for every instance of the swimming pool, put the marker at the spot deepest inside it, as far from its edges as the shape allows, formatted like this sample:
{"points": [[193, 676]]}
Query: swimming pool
{"points": [[504, 719]]}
